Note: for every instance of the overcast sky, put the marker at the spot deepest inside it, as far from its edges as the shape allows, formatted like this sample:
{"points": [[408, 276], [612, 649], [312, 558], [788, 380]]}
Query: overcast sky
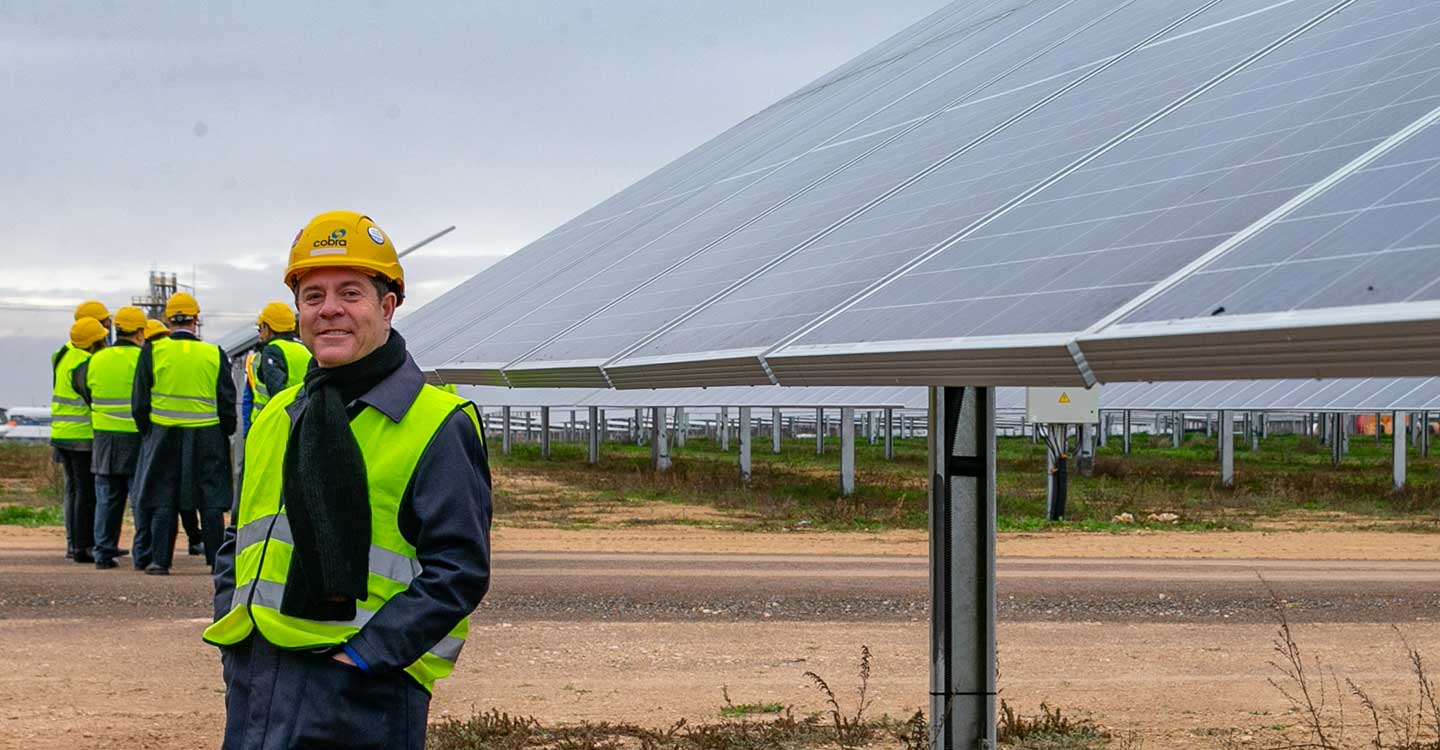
{"points": [[198, 137]]}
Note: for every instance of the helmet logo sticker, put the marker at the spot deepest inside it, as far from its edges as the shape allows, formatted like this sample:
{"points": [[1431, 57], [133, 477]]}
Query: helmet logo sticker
{"points": [[376, 235], [328, 251], [336, 239]]}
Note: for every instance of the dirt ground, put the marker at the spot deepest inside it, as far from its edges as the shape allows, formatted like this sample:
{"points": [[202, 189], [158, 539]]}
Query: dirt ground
{"points": [[107, 674]]}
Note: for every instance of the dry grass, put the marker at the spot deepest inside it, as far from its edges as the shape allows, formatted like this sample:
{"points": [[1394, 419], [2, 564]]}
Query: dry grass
{"points": [[28, 476]]}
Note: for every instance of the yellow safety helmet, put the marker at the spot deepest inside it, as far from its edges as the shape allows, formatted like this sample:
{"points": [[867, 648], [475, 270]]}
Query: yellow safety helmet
{"points": [[86, 332], [181, 304], [154, 329], [278, 316], [92, 309], [344, 239], [129, 319]]}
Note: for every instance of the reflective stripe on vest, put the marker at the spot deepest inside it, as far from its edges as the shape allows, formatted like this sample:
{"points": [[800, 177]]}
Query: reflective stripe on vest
{"points": [[264, 543], [111, 378], [297, 361], [187, 374], [69, 415]]}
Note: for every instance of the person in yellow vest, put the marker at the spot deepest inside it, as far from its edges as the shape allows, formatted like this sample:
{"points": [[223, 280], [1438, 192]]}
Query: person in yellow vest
{"points": [[184, 406], [71, 436], [154, 329], [282, 359], [339, 608], [107, 381]]}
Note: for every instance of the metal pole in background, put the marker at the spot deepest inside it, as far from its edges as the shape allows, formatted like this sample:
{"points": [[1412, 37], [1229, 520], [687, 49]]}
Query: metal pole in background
{"points": [[544, 432], [594, 452], [820, 432], [847, 450], [775, 430], [962, 568], [1398, 454], [745, 443], [889, 434], [505, 430], [1125, 440], [659, 441], [1227, 449]]}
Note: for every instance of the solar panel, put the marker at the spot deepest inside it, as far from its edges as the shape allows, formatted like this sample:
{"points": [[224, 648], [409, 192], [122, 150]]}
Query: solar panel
{"points": [[1077, 35], [1346, 394], [1048, 192], [1370, 239], [676, 194], [1110, 231], [961, 195]]}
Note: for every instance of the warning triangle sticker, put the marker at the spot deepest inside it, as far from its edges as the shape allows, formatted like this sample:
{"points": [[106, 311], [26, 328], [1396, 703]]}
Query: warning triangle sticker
{"points": [[1064, 397]]}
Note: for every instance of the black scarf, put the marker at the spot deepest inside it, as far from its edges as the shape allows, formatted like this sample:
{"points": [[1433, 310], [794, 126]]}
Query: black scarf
{"points": [[326, 496]]}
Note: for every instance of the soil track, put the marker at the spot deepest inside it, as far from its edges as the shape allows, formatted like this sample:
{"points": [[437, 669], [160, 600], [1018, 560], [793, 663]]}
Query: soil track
{"points": [[1173, 649]]}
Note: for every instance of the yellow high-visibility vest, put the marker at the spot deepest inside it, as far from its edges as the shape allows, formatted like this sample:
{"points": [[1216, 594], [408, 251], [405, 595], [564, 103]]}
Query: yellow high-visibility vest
{"points": [[187, 375], [69, 414], [297, 361], [111, 378], [264, 545]]}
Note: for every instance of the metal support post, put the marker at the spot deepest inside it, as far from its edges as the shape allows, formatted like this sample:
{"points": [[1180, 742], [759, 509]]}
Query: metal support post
{"points": [[889, 434], [871, 432], [639, 426], [594, 452], [1177, 429], [1086, 460], [1254, 424], [544, 432], [1227, 449], [775, 431], [1125, 432], [847, 450], [1337, 443], [1104, 428], [819, 432], [1397, 428], [659, 441], [682, 426], [725, 428], [745, 440], [962, 568], [505, 430], [1425, 434]]}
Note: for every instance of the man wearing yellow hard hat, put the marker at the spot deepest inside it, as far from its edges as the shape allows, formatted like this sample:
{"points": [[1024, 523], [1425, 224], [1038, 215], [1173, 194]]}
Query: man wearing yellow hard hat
{"points": [[338, 608], [154, 329], [71, 436], [108, 380], [184, 406], [282, 359]]}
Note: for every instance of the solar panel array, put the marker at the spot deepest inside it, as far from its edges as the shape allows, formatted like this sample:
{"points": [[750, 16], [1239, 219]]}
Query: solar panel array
{"points": [[1027, 192]]}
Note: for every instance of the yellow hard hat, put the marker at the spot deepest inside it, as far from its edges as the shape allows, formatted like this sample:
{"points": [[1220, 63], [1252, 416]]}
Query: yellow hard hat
{"points": [[181, 303], [344, 239], [154, 329], [91, 309], [278, 316], [86, 332], [129, 319]]}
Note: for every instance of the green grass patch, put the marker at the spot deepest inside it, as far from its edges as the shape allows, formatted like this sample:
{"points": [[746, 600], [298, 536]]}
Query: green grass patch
{"points": [[740, 710], [24, 515], [1288, 479]]}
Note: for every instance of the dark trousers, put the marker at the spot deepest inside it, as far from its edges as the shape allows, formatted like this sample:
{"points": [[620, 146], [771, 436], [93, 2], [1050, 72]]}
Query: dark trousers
{"points": [[110, 493], [79, 502], [302, 699], [164, 531], [190, 520]]}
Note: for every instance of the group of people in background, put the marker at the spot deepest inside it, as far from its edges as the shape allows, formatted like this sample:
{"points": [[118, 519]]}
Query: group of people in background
{"points": [[142, 408]]}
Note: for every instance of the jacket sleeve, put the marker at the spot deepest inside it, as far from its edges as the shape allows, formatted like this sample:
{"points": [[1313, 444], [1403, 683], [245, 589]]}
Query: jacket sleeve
{"points": [[225, 397], [274, 372], [78, 381], [225, 571], [140, 392], [446, 514]]}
